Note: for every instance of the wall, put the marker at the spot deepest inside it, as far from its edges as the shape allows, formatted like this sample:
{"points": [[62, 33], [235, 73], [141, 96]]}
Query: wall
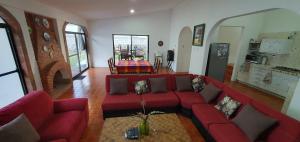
{"points": [[17, 8], [157, 25]]}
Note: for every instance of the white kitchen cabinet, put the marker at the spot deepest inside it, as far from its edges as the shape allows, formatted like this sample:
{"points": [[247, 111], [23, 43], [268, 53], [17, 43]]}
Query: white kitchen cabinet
{"points": [[276, 46], [281, 83]]}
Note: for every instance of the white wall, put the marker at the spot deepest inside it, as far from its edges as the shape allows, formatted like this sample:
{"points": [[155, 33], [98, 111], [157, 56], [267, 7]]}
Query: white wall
{"points": [[210, 12], [17, 9], [157, 25]]}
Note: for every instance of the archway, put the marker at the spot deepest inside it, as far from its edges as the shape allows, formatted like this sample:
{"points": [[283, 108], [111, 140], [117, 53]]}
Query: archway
{"points": [[184, 49], [19, 43], [76, 48]]}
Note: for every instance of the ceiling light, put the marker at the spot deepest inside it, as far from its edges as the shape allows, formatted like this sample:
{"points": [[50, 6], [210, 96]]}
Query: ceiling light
{"points": [[132, 11]]}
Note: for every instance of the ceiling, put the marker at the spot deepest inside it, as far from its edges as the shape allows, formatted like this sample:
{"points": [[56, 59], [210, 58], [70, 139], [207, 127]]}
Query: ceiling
{"points": [[98, 9]]}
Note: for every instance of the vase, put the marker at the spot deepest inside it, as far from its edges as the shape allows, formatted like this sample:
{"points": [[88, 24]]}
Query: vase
{"points": [[144, 128]]}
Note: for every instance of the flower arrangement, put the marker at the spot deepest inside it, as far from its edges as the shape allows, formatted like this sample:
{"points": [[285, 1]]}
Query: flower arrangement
{"points": [[144, 125]]}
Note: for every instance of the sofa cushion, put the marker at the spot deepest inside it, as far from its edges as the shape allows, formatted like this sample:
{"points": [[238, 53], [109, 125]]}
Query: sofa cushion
{"points": [[210, 92], [187, 99], [183, 83], [198, 84], [208, 115], [227, 133], [158, 85], [252, 122], [228, 106], [158, 100], [61, 125], [121, 102], [287, 128], [118, 86], [18, 130], [141, 87]]}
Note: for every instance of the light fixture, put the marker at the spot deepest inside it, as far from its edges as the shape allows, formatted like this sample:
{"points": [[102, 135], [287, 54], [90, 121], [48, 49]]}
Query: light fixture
{"points": [[132, 11]]}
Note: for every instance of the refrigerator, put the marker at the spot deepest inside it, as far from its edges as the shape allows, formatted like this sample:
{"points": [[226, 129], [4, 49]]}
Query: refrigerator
{"points": [[217, 61]]}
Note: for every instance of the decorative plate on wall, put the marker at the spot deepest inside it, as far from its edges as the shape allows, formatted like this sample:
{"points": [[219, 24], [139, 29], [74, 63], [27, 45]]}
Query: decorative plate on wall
{"points": [[37, 21], [46, 23], [47, 37], [45, 48]]}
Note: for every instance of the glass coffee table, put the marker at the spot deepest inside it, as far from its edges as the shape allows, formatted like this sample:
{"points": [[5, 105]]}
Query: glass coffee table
{"points": [[163, 128]]}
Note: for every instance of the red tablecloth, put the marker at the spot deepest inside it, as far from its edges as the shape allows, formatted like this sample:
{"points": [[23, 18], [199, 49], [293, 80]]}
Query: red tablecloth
{"points": [[132, 66]]}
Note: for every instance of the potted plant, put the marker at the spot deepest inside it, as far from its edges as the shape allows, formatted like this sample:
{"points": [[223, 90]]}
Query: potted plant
{"points": [[144, 127]]}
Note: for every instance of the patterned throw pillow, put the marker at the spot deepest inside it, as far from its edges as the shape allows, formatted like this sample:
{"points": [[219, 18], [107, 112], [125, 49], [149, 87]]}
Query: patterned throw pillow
{"points": [[141, 87], [198, 84], [228, 106]]}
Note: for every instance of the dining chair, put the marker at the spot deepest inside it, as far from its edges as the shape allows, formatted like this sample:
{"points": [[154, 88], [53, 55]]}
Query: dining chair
{"points": [[157, 65], [111, 66]]}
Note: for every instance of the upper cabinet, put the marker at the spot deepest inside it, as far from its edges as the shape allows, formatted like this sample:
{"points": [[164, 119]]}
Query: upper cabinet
{"points": [[276, 46]]}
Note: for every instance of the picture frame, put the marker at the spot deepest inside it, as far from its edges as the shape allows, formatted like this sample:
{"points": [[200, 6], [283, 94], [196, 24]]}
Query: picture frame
{"points": [[198, 35]]}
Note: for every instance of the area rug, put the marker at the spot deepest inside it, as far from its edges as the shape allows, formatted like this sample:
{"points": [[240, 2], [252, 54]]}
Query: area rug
{"points": [[163, 128]]}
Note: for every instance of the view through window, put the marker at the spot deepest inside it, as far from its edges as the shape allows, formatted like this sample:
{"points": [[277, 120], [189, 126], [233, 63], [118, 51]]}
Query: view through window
{"points": [[131, 47], [77, 50], [12, 84]]}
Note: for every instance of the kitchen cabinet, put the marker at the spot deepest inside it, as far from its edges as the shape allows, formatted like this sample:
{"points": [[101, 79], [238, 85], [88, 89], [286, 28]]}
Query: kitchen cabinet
{"points": [[280, 83], [276, 46], [257, 76]]}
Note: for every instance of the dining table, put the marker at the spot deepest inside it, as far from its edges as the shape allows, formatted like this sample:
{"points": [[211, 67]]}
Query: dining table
{"points": [[134, 66]]}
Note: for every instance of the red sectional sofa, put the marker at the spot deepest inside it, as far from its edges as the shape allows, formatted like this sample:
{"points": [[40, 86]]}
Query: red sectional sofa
{"points": [[211, 123], [55, 121], [119, 105]]}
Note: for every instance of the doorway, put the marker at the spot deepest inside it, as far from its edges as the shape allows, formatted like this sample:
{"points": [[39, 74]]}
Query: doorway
{"points": [[77, 49], [231, 35], [184, 50]]}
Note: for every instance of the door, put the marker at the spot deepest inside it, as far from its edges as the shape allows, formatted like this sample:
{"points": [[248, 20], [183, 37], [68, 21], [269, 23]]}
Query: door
{"points": [[77, 49], [184, 50]]}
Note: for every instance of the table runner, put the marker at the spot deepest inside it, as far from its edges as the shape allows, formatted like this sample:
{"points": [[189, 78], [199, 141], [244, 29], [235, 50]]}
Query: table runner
{"points": [[131, 66]]}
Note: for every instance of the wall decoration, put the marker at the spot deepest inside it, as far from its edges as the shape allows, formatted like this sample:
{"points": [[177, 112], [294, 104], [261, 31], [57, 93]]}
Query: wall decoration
{"points": [[46, 37], [45, 48], [199, 31], [37, 21], [160, 43], [46, 23]]}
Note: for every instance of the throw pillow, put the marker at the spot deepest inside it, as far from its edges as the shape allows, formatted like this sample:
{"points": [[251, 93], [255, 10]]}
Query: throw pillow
{"points": [[141, 87], [183, 83], [210, 92], [252, 122], [158, 85], [18, 130], [198, 84], [228, 106], [118, 86]]}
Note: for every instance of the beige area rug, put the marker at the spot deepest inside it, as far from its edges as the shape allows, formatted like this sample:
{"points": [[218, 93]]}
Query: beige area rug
{"points": [[163, 128]]}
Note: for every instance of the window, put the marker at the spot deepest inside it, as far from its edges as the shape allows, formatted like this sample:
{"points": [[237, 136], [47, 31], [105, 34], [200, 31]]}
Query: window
{"points": [[131, 47], [12, 84], [76, 43]]}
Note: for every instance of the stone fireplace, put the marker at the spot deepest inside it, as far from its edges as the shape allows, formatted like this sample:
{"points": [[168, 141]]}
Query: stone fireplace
{"points": [[54, 70]]}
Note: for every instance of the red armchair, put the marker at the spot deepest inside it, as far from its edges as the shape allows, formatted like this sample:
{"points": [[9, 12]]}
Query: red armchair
{"points": [[61, 121]]}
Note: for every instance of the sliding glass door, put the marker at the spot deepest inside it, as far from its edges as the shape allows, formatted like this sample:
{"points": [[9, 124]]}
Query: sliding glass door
{"points": [[12, 84], [131, 47], [76, 42]]}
